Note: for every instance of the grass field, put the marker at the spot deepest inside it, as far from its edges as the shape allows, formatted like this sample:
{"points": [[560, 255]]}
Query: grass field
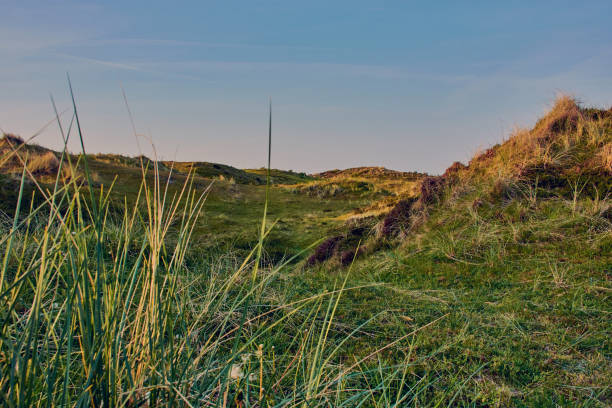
{"points": [[486, 286]]}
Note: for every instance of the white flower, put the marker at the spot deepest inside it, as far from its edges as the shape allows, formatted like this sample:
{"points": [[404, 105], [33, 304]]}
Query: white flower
{"points": [[236, 372]]}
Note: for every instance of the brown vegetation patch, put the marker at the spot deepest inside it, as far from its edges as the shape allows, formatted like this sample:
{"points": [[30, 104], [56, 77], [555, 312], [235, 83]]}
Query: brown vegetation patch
{"points": [[358, 231], [477, 203], [607, 213], [453, 170], [597, 114], [324, 251], [342, 248], [431, 189], [501, 189], [605, 158], [346, 257], [44, 165], [563, 118], [487, 155], [398, 217], [12, 139]]}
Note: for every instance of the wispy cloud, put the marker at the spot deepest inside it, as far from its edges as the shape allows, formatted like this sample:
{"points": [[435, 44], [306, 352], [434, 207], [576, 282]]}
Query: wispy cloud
{"points": [[183, 43], [128, 66], [321, 68], [198, 70], [118, 65]]}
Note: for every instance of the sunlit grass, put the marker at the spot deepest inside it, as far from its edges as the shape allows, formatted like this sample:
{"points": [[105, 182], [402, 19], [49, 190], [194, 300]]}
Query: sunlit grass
{"points": [[108, 306], [497, 297]]}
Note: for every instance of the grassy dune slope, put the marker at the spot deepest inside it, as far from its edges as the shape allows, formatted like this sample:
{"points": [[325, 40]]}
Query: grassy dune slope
{"points": [[513, 253], [486, 286]]}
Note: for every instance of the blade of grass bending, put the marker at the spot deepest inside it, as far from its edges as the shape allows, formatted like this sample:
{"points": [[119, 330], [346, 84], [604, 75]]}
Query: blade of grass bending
{"points": [[129, 111], [64, 150]]}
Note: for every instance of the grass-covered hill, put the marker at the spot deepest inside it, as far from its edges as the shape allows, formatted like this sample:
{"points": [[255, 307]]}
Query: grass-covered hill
{"points": [[377, 173], [233, 209], [223, 171], [489, 285], [566, 156], [384, 188], [513, 254], [45, 162], [282, 176], [388, 186]]}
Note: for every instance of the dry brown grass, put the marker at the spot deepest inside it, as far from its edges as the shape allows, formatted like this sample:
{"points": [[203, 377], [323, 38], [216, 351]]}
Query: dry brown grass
{"points": [[569, 146], [12, 139], [45, 164], [562, 118], [604, 157], [14, 152], [41, 162], [567, 140]]}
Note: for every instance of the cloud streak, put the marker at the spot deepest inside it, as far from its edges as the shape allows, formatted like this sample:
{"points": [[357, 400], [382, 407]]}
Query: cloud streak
{"points": [[127, 66], [198, 68]]}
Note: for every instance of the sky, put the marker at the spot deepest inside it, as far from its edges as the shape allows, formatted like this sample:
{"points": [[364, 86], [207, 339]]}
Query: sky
{"points": [[401, 84]]}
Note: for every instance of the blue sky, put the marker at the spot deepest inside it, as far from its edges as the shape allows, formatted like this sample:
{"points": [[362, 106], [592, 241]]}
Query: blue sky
{"points": [[406, 85]]}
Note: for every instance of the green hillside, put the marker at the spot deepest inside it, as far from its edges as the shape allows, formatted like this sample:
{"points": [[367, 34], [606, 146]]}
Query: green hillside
{"points": [[282, 176], [508, 260], [488, 285]]}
